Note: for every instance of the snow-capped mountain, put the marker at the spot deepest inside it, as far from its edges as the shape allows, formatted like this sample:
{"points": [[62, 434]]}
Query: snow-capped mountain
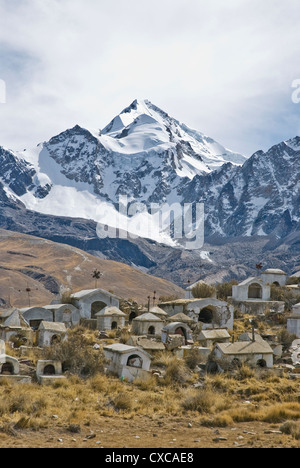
{"points": [[148, 156], [143, 153], [143, 127]]}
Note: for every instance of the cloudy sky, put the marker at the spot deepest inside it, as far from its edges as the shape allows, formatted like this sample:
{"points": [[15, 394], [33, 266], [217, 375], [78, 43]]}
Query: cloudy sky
{"points": [[223, 68]]}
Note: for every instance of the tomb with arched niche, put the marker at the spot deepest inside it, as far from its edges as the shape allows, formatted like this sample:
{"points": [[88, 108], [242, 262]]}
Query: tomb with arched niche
{"points": [[253, 295], [207, 311], [90, 302], [50, 333], [110, 318], [10, 367], [147, 324], [128, 362], [49, 371]]}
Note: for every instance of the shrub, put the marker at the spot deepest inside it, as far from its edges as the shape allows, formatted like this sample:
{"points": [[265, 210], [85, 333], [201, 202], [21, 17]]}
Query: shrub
{"points": [[291, 428], [124, 336], [220, 420], [293, 280], [224, 290], [193, 358], [282, 412], [283, 294], [162, 359], [122, 402], [176, 372], [20, 404], [76, 354], [202, 290], [98, 383], [244, 372], [66, 298], [286, 338], [200, 400]]}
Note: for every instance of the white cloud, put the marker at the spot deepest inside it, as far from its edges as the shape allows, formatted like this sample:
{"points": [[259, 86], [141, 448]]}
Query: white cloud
{"points": [[225, 68]]}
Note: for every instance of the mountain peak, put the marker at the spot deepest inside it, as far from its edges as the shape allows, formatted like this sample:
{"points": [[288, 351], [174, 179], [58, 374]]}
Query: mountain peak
{"points": [[294, 143], [128, 116]]}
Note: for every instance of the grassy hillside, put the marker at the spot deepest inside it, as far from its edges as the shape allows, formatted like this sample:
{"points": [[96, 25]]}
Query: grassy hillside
{"points": [[46, 268]]}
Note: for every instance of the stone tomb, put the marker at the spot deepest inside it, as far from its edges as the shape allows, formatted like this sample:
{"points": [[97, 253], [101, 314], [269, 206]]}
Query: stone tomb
{"points": [[10, 367], [293, 321], [48, 372], [110, 318], [128, 362]]}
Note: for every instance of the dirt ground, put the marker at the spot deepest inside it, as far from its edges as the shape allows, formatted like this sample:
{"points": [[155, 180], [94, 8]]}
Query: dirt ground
{"points": [[144, 432]]}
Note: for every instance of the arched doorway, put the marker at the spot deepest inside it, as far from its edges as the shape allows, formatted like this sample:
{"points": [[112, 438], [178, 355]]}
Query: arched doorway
{"points": [[96, 307], [132, 316], [135, 361], [182, 332], [7, 369], [179, 331], [206, 315], [55, 340], [114, 325], [255, 291], [49, 370], [261, 363], [151, 330]]}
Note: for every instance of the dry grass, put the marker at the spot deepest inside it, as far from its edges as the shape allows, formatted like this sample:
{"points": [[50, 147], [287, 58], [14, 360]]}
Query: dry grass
{"points": [[221, 402]]}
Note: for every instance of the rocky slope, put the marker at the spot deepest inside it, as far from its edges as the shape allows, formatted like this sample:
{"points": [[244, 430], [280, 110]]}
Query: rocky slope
{"points": [[49, 268], [262, 197]]}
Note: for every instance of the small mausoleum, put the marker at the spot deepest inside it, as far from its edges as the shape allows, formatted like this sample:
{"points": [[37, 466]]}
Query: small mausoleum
{"points": [[128, 362], [251, 289], [178, 329], [10, 367], [257, 353], [49, 371], [293, 321], [50, 333], [183, 318], [110, 318], [16, 329], [90, 302], [274, 276], [159, 312], [36, 315], [147, 324], [253, 295], [208, 311], [64, 313]]}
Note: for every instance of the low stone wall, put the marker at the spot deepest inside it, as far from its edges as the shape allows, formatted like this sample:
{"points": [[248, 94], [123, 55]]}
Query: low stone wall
{"points": [[258, 307]]}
